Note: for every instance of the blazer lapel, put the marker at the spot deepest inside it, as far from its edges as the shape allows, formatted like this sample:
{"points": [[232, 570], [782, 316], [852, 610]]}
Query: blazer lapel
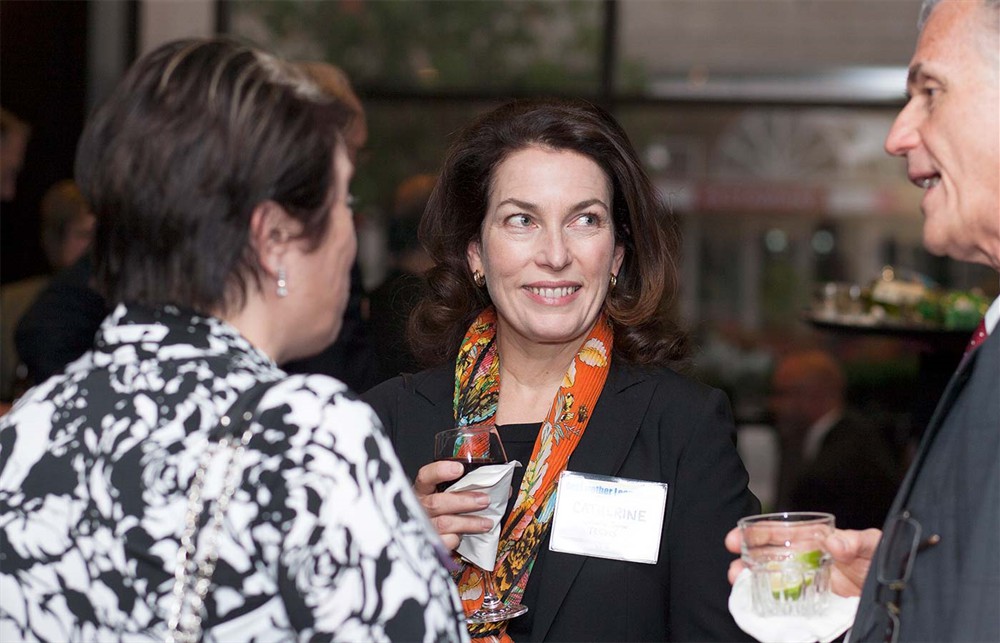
{"points": [[436, 386], [602, 450], [951, 391]]}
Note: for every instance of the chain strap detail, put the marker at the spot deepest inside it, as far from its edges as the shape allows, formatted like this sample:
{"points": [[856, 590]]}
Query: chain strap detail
{"points": [[193, 576]]}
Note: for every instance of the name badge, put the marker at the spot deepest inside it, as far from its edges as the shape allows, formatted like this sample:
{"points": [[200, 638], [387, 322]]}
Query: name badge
{"points": [[608, 517]]}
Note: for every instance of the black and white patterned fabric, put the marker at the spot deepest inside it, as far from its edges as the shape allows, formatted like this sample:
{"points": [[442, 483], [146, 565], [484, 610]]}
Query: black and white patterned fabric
{"points": [[323, 539]]}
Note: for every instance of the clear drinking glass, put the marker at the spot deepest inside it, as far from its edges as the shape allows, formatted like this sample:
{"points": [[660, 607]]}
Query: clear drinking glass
{"points": [[788, 561], [475, 447]]}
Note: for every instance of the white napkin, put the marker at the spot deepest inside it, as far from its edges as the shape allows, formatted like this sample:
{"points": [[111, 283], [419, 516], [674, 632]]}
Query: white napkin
{"points": [[494, 480], [839, 616]]}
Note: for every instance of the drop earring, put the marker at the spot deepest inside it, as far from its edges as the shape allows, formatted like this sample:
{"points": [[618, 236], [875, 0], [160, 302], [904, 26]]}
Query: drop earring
{"points": [[479, 278], [613, 281], [282, 289]]}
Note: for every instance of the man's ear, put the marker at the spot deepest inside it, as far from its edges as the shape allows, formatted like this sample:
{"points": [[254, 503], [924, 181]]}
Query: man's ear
{"points": [[271, 234]]}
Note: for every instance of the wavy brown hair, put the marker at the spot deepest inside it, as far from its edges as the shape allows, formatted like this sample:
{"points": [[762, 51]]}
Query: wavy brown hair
{"points": [[647, 281]]}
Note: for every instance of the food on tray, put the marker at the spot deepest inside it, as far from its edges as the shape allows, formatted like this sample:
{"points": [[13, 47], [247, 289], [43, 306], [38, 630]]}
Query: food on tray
{"points": [[900, 299]]}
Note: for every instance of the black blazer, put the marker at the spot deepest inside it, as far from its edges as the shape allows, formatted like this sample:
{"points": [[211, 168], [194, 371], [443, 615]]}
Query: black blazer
{"points": [[647, 425], [952, 490]]}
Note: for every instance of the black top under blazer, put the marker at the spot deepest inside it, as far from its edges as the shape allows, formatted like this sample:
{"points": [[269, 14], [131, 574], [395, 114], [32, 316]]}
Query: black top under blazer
{"points": [[648, 424]]}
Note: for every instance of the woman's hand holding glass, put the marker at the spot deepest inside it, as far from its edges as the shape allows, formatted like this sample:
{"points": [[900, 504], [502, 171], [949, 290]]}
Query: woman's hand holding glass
{"points": [[450, 513], [468, 448]]}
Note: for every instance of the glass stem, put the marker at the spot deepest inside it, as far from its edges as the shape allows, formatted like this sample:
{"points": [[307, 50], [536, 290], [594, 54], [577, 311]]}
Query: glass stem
{"points": [[491, 602]]}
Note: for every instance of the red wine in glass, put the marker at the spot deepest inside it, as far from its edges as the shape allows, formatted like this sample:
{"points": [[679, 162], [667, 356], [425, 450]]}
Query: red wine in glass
{"points": [[472, 446], [468, 466]]}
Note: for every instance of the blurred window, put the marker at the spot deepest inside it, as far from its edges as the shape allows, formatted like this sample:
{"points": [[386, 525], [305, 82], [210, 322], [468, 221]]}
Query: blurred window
{"points": [[761, 121], [421, 46]]}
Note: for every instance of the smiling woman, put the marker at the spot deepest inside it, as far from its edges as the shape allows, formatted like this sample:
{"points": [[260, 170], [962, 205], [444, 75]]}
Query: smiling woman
{"points": [[467, 193], [547, 249], [554, 260]]}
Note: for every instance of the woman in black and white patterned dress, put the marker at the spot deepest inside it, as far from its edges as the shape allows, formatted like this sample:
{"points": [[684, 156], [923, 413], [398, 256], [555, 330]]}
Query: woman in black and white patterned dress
{"points": [[220, 179]]}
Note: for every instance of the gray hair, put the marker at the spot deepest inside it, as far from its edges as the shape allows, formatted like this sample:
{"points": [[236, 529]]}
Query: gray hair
{"points": [[989, 22], [928, 6]]}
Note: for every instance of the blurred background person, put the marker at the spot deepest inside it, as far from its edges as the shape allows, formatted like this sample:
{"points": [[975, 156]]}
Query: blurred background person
{"points": [[553, 264], [14, 135], [392, 302], [833, 459], [333, 81], [67, 231], [60, 325], [219, 176], [67, 225]]}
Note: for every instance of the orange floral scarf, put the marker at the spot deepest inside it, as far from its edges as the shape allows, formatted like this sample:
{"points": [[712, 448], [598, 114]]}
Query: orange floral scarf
{"points": [[477, 388]]}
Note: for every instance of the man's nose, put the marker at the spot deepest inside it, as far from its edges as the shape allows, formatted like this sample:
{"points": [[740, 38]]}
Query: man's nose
{"points": [[903, 135]]}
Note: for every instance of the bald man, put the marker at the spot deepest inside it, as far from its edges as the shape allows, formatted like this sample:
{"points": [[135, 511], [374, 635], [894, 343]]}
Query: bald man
{"points": [[832, 459]]}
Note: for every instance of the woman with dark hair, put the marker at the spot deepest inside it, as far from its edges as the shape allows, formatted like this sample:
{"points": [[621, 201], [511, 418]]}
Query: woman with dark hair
{"points": [[173, 482], [545, 317]]}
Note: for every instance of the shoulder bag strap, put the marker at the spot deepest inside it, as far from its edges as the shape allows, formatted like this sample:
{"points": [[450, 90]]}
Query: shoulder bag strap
{"points": [[193, 575]]}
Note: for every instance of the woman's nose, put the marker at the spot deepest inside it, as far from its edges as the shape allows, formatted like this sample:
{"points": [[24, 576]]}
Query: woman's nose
{"points": [[555, 251]]}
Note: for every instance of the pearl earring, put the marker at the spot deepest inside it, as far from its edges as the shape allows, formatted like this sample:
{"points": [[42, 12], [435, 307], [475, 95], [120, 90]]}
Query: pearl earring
{"points": [[282, 283]]}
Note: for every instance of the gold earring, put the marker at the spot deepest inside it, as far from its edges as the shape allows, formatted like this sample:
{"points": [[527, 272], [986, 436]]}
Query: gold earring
{"points": [[613, 281], [479, 278]]}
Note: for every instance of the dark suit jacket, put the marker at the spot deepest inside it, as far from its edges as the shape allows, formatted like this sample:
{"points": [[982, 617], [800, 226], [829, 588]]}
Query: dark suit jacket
{"points": [[854, 475], [952, 490], [60, 325], [647, 425]]}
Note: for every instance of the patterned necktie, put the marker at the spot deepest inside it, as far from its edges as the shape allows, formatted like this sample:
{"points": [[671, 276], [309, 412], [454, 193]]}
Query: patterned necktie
{"points": [[978, 337]]}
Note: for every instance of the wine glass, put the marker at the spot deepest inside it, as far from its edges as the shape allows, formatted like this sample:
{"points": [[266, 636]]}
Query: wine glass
{"points": [[474, 447]]}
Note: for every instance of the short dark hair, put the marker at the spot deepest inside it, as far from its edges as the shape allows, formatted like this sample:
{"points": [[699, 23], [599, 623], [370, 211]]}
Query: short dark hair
{"points": [[644, 334], [196, 135]]}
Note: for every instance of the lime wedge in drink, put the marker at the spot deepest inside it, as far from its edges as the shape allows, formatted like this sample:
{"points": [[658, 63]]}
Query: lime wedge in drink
{"points": [[785, 579], [790, 592], [810, 559], [788, 581]]}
